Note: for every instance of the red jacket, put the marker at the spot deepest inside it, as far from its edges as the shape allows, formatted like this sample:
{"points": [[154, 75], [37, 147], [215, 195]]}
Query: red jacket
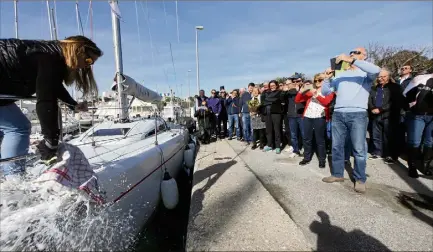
{"points": [[324, 101]]}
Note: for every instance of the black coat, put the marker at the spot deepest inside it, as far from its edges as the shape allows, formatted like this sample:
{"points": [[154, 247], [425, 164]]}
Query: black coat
{"points": [[392, 101], [28, 67]]}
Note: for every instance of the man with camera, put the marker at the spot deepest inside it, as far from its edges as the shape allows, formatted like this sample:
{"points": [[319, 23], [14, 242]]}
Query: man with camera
{"points": [[350, 117]]}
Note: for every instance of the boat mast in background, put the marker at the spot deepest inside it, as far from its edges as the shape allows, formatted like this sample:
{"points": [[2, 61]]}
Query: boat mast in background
{"points": [[16, 33], [49, 19], [115, 13]]}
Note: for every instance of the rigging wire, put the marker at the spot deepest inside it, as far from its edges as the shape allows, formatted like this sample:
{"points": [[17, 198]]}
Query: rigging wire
{"points": [[165, 14], [138, 32], [177, 24], [55, 16]]}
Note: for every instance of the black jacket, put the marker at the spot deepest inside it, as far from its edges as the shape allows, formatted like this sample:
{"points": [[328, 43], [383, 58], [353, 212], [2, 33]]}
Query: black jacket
{"points": [[276, 100], [423, 96], [392, 101], [28, 67], [294, 109]]}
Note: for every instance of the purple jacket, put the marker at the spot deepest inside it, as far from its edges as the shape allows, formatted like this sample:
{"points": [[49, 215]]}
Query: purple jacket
{"points": [[214, 104]]}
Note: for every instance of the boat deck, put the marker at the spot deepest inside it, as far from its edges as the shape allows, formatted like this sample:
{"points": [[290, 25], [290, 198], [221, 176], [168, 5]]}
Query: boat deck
{"points": [[245, 199]]}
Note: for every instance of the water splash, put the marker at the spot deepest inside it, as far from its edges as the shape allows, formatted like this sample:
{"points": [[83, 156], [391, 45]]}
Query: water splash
{"points": [[51, 217]]}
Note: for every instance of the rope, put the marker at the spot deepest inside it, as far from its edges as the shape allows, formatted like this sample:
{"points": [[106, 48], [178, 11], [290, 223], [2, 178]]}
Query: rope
{"points": [[145, 177]]}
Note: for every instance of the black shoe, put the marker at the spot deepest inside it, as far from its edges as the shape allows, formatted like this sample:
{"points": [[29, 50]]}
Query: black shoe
{"points": [[322, 164], [230, 138], [412, 162], [373, 157], [262, 147], [254, 147], [388, 160], [304, 162], [427, 160], [248, 142]]}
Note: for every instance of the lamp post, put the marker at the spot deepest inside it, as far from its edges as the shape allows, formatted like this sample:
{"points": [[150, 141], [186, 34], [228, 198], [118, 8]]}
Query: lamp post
{"points": [[197, 28]]}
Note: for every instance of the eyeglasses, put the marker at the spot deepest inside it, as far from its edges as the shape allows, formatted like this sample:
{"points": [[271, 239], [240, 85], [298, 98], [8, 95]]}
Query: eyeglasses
{"points": [[318, 80], [213, 93], [297, 81], [355, 52]]}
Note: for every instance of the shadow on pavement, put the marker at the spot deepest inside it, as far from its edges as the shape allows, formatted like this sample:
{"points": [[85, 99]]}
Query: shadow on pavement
{"points": [[334, 238]]}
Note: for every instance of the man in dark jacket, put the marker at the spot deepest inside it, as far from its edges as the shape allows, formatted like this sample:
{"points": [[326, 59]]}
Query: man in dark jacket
{"points": [[384, 104], [214, 104], [233, 109], [200, 98], [29, 67], [246, 119], [294, 114]]}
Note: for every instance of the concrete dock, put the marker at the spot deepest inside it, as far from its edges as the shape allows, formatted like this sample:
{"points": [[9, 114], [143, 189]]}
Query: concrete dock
{"points": [[245, 199]]}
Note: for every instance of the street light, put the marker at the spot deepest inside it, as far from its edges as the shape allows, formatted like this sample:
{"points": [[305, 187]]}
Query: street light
{"points": [[197, 28], [189, 89]]}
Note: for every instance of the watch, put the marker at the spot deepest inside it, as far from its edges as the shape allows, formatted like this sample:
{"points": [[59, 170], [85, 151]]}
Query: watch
{"points": [[353, 61]]}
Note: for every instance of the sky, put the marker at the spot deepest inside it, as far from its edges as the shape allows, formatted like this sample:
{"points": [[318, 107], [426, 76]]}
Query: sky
{"points": [[242, 41]]}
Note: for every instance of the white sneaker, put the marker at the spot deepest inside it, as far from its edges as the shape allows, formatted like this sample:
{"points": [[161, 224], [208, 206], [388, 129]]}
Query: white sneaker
{"points": [[289, 149], [293, 155]]}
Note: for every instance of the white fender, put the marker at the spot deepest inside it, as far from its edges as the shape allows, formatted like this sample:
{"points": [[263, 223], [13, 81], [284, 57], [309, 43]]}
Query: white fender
{"points": [[188, 155], [169, 191]]}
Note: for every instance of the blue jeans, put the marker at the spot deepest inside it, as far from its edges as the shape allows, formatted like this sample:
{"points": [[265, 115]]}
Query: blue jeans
{"points": [[353, 125], [234, 119], [419, 127], [15, 130], [347, 145], [295, 124], [246, 122]]}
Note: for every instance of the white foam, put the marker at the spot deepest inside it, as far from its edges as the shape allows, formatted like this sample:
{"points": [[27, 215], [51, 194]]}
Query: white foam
{"points": [[49, 216]]}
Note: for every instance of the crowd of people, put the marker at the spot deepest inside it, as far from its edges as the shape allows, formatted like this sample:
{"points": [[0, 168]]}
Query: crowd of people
{"points": [[330, 115]]}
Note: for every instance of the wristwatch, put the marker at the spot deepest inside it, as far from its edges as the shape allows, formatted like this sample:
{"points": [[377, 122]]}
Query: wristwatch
{"points": [[353, 61]]}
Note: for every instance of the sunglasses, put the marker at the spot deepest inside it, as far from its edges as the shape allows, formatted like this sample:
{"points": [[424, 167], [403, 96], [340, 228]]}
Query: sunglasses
{"points": [[355, 52], [213, 93], [89, 61], [318, 80]]}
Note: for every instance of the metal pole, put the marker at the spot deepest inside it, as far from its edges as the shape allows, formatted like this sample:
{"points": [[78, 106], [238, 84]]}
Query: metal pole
{"points": [[189, 90], [54, 33], [119, 63], [16, 32], [49, 19], [80, 25], [16, 18], [196, 60]]}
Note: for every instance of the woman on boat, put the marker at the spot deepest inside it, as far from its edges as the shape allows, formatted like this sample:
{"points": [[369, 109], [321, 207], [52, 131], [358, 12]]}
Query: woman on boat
{"points": [[38, 67]]}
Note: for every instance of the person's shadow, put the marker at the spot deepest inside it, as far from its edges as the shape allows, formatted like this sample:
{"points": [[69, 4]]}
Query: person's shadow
{"points": [[333, 238]]}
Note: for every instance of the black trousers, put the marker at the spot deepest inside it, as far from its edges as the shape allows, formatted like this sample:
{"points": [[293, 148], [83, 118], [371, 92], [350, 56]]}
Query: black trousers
{"points": [[273, 130], [259, 134], [385, 137], [314, 127]]}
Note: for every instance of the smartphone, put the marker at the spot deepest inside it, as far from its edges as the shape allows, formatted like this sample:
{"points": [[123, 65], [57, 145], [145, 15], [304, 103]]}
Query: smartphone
{"points": [[335, 66]]}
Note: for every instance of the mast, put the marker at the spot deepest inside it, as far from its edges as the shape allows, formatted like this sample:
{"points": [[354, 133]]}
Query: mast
{"points": [[54, 33], [118, 59], [80, 25], [16, 33], [49, 19]]}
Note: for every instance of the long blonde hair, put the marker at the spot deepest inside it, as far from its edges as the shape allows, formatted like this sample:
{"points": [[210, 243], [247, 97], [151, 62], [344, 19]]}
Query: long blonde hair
{"points": [[73, 48]]}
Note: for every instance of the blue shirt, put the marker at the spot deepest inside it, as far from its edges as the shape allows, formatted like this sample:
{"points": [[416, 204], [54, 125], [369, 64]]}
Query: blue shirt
{"points": [[352, 86], [379, 96]]}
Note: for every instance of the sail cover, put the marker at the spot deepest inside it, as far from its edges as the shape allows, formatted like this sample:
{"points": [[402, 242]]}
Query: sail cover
{"points": [[131, 87]]}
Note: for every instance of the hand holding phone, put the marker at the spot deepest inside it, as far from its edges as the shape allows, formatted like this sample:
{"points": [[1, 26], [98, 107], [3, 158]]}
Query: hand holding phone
{"points": [[335, 65]]}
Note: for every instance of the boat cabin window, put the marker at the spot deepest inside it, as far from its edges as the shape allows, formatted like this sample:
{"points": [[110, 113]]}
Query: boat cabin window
{"points": [[111, 132]]}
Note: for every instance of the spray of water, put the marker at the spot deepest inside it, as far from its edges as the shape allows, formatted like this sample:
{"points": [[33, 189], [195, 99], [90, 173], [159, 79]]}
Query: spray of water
{"points": [[51, 217]]}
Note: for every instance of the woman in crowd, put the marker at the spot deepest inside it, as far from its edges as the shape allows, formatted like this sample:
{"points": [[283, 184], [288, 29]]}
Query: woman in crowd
{"points": [[30, 67], [273, 101], [419, 121], [222, 117], [316, 114], [233, 109], [257, 119]]}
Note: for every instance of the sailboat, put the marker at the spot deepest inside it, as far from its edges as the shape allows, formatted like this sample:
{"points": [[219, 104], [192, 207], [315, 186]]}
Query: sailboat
{"points": [[130, 159]]}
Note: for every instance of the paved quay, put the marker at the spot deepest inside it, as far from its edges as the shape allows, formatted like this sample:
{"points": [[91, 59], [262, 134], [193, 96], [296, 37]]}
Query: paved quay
{"points": [[245, 199]]}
